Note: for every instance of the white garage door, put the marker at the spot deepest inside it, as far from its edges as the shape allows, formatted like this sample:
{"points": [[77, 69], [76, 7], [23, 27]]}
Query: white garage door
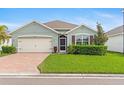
{"points": [[30, 44], [115, 43]]}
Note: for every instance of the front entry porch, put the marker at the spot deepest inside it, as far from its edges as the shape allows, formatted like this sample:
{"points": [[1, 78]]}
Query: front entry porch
{"points": [[62, 45]]}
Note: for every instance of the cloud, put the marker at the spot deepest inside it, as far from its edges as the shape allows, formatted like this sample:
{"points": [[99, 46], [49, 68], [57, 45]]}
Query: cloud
{"points": [[108, 21], [104, 15], [10, 26], [89, 22]]}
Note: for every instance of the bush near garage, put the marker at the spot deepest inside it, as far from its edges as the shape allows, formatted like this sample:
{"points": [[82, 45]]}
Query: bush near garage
{"points": [[87, 49], [8, 49]]}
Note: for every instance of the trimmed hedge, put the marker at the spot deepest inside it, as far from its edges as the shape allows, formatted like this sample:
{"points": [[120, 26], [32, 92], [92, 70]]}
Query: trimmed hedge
{"points": [[87, 49], [8, 49]]}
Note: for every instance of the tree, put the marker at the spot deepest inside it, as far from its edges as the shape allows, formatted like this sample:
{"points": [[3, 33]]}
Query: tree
{"points": [[100, 38], [3, 35]]}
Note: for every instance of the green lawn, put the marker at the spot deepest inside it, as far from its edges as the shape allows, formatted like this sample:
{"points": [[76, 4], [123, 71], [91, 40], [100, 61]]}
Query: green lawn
{"points": [[66, 63]]}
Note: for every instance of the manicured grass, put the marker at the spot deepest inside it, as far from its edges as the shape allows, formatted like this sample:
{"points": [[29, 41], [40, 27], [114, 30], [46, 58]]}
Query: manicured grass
{"points": [[66, 63]]}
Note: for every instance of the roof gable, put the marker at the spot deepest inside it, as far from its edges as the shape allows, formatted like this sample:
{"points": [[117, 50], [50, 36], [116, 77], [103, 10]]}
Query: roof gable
{"points": [[37, 23], [81, 26]]}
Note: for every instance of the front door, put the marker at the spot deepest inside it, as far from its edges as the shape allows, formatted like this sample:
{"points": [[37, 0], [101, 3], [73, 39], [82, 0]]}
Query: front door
{"points": [[62, 44]]}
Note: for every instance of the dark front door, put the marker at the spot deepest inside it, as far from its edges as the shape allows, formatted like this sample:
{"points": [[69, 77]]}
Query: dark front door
{"points": [[62, 44]]}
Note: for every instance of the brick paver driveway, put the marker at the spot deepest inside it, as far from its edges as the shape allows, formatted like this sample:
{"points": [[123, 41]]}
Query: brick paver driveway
{"points": [[21, 63]]}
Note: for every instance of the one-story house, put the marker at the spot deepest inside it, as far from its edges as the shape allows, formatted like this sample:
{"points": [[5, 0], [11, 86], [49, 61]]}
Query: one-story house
{"points": [[115, 39], [43, 37]]}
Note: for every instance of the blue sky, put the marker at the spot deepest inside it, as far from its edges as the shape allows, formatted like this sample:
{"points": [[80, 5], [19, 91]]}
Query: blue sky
{"points": [[108, 17]]}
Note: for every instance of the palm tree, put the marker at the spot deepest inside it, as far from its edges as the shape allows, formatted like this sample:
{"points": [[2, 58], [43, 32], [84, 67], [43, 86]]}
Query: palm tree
{"points": [[3, 35]]}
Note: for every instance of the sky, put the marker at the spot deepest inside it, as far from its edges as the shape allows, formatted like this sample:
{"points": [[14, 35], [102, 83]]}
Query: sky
{"points": [[109, 18]]}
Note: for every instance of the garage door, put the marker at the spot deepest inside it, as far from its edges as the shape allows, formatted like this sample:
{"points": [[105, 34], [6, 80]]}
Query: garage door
{"points": [[40, 44]]}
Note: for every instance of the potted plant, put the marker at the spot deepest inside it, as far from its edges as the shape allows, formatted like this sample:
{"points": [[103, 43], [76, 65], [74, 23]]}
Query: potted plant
{"points": [[55, 49]]}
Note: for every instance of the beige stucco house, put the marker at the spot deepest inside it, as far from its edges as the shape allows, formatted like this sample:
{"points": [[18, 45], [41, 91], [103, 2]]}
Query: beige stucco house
{"points": [[43, 37]]}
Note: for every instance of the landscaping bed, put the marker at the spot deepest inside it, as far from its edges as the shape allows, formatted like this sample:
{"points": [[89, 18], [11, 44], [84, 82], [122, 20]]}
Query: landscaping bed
{"points": [[3, 54], [69, 63], [7, 50]]}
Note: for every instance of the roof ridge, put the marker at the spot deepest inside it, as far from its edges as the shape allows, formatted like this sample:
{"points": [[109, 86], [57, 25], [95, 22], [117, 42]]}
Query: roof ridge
{"points": [[60, 21], [115, 30]]}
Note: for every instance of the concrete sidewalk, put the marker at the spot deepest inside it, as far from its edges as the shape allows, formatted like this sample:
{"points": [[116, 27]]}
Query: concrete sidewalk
{"points": [[63, 79], [9, 75]]}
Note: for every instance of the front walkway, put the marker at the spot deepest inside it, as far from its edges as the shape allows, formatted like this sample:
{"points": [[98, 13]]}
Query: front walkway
{"points": [[21, 63]]}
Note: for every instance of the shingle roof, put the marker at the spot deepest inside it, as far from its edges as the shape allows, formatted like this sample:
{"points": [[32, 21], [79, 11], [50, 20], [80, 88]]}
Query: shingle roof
{"points": [[57, 24], [116, 30]]}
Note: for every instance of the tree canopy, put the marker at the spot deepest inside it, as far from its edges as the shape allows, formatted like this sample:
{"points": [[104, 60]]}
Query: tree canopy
{"points": [[3, 34], [100, 37]]}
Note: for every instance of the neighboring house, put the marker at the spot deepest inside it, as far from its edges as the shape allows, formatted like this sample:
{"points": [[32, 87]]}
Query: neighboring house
{"points": [[43, 37], [115, 39]]}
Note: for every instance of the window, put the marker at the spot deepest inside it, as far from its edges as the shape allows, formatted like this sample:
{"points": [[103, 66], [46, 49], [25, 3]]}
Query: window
{"points": [[79, 40], [85, 40], [82, 39]]}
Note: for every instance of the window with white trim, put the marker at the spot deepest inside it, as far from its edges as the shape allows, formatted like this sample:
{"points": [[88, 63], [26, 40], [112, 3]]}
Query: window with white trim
{"points": [[82, 39]]}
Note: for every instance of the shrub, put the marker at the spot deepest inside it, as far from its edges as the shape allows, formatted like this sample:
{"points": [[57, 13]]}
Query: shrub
{"points": [[8, 49], [87, 49], [71, 49]]}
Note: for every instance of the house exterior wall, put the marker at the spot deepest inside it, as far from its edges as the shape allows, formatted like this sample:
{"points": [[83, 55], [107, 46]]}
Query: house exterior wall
{"points": [[34, 29], [81, 30], [115, 43]]}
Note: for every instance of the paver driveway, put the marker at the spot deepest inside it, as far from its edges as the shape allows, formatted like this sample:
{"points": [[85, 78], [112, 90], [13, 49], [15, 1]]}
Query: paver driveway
{"points": [[21, 63]]}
